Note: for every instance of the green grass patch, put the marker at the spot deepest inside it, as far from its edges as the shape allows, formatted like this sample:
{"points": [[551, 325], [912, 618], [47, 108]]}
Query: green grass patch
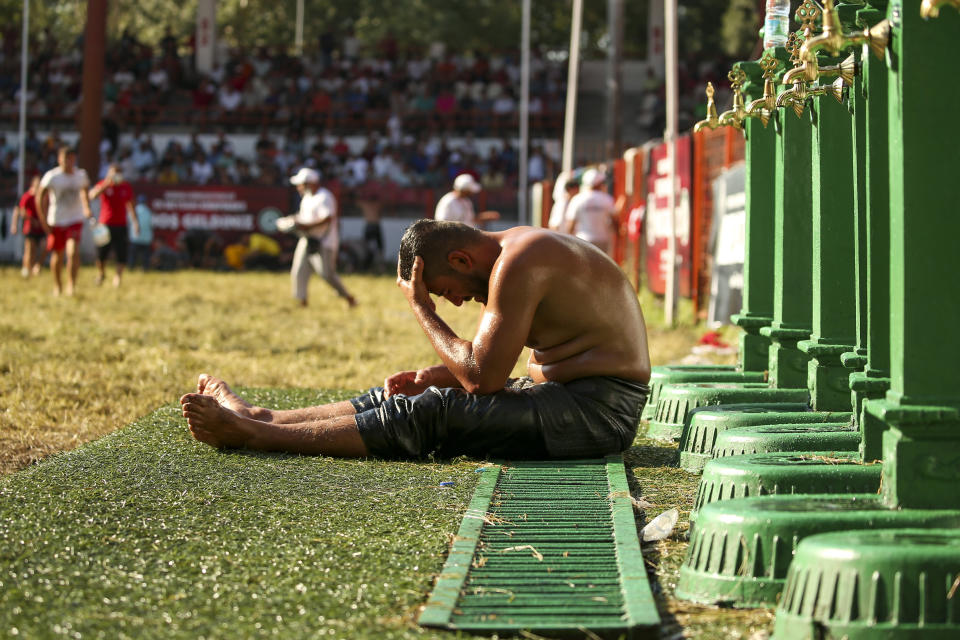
{"points": [[657, 478], [146, 533]]}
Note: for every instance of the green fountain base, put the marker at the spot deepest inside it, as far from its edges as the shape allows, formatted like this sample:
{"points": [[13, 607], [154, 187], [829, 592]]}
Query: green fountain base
{"points": [[860, 585], [677, 401], [740, 549], [784, 473], [787, 437], [698, 442], [666, 375]]}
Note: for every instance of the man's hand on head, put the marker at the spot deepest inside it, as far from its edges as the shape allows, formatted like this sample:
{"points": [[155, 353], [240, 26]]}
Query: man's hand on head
{"points": [[415, 290]]}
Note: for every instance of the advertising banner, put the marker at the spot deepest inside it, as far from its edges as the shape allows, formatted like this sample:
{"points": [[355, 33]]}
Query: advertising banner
{"points": [[728, 245], [658, 218], [227, 213]]}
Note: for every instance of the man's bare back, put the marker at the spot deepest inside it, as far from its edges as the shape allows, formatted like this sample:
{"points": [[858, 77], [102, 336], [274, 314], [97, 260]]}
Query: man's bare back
{"points": [[587, 321]]}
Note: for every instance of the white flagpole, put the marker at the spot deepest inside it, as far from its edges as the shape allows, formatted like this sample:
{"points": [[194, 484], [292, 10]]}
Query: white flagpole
{"points": [[573, 69], [670, 137], [23, 97], [523, 191]]}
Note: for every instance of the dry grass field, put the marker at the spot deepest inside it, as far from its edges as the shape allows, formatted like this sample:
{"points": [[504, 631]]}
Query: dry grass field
{"points": [[73, 369]]}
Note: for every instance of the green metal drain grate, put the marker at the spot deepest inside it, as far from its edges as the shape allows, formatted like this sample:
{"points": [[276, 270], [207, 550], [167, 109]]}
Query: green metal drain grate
{"points": [[546, 546]]}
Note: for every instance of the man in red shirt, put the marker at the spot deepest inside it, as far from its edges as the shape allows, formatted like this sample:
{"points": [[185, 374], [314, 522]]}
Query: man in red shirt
{"points": [[116, 203], [33, 232]]}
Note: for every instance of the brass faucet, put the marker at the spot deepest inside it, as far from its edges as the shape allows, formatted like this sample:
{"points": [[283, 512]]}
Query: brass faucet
{"points": [[835, 41], [763, 107], [806, 14], [931, 8], [734, 117], [834, 89], [712, 121], [797, 95], [845, 71]]}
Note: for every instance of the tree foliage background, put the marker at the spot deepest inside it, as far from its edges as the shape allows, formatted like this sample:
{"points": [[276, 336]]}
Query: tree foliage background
{"points": [[479, 25]]}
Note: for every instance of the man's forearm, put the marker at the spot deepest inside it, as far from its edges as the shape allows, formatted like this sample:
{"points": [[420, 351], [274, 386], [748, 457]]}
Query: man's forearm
{"points": [[456, 353], [85, 202], [439, 376]]}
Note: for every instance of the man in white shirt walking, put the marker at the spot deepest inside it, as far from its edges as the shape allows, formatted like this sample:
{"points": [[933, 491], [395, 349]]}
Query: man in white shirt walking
{"points": [[320, 238], [63, 204], [456, 206], [591, 214]]}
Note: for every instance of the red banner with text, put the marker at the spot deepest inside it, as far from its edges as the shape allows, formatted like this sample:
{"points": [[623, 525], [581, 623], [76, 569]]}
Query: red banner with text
{"points": [[229, 213]]}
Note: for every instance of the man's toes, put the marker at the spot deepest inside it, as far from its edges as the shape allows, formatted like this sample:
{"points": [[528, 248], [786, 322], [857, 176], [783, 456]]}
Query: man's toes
{"points": [[203, 381], [204, 436], [199, 400]]}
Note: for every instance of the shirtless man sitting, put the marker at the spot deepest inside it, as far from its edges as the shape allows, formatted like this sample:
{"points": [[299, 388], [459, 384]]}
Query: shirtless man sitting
{"points": [[556, 294]]}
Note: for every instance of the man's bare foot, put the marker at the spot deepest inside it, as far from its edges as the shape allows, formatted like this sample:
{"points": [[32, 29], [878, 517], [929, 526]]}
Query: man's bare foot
{"points": [[116, 281], [56, 292], [214, 424], [221, 392]]}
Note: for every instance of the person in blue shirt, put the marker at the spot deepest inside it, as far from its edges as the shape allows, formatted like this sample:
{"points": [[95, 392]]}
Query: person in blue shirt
{"points": [[140, 243]]}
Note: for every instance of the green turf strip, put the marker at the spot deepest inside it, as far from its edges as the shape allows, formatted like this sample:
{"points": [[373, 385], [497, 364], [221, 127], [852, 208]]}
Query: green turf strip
{"points": [[147, 533], [550, 547]]}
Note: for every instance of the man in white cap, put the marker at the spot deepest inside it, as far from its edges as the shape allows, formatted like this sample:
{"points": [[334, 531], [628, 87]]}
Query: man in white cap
{"points": [[591, 214], [319, 236], [456, 206]]}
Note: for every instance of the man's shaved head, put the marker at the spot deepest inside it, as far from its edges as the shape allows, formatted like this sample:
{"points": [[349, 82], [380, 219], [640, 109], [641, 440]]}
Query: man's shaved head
{"points": [[433, 240]]}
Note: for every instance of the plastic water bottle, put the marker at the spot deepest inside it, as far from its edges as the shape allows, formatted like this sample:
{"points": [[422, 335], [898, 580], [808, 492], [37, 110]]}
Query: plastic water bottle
{"points": [[776, 24], [661, 526]]}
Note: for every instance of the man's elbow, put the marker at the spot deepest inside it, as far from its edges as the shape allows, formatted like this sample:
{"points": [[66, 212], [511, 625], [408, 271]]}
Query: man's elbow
{"points": [[482, 387]]}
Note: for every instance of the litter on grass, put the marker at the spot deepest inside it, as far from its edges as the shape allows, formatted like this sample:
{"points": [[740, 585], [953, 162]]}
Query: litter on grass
{"points": [[660, 527]]}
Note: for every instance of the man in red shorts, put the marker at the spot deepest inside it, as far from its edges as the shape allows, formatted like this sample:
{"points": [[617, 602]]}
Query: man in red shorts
{"points": [[116, 203], [62, 203], [33, 233]]}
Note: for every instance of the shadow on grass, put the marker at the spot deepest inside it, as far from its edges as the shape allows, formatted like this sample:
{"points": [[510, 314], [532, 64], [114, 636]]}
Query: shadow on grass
{"points": [[656, 478], [644, 462]]}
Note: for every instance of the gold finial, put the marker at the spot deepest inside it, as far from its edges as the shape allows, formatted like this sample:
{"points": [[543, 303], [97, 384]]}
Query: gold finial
{"points": [[734, 117], [712, 121], [769, 65], [737, 77], [794, 42], [807, 15], [762, 107]]}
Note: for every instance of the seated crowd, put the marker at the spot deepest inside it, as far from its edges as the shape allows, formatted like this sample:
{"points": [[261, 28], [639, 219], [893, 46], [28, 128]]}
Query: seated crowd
{"points": [[343, 86], [408, 161]]}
